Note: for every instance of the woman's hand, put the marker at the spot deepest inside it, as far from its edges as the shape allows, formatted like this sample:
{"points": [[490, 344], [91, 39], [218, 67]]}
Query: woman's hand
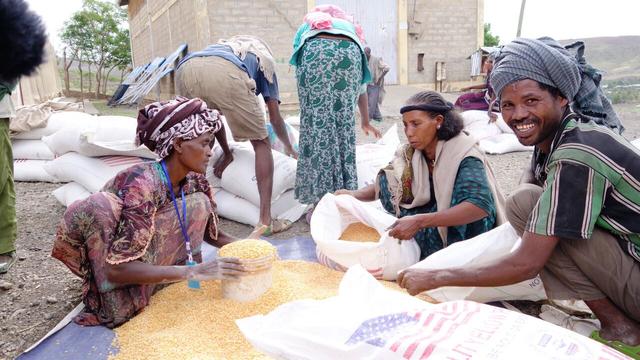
{"points": [[217, 269], [370, 130], [417, 280], [367, 193], [405, 228], [344, 192]]}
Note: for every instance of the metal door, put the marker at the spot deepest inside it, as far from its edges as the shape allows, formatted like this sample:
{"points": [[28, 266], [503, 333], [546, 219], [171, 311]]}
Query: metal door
{"points": [[379, 20]]}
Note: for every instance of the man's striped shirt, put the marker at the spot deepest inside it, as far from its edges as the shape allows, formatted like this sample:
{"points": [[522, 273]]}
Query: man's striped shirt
{"points": [[592, 179]]}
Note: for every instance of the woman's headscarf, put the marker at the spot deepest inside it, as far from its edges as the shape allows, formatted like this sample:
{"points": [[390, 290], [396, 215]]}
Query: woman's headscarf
{"points": [[565, 68], [319, 18], [159, 123]]}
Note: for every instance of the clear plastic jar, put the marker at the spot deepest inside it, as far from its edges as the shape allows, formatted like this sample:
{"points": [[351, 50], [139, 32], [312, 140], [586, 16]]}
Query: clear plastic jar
{"points": [[257, 281]]}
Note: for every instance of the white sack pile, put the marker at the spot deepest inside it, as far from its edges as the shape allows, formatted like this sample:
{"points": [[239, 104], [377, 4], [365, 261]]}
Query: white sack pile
{"points": [[82, 150], [493, 137]]}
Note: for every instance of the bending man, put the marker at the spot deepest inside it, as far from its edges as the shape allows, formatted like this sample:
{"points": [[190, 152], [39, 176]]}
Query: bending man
{"points": [[229, 76]]}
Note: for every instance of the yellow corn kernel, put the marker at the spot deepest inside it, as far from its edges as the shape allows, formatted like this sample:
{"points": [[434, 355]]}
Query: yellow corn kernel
{"points": [[247, 249], [180, 323], [360, 232]]}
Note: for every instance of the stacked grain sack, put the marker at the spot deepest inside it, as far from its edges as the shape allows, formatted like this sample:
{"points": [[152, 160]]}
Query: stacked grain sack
{"points": [[494, 137], [236, 193], [79, 149], [86, 151], [74, 147]]}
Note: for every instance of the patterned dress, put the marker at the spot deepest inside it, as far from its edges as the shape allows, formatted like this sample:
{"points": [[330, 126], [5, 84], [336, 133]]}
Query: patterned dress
{"points": [[471, 185], [133, 218], [329, 74]]}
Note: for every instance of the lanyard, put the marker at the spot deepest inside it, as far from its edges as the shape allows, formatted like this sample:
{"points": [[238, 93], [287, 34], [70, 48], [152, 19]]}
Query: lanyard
{"points": [[183, 222]]}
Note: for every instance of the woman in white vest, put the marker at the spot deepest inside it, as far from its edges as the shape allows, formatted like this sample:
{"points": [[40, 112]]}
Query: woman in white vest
{"points": [[440, 186]]}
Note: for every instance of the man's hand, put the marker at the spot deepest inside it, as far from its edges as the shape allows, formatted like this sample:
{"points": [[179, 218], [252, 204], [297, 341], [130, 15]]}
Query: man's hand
{"points": [[417, 280], [371, 131], [291, 152], [405, 228], [222, 164]]}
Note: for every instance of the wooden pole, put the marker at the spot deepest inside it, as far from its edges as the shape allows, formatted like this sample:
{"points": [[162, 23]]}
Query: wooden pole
{"points": [[521, 16]]}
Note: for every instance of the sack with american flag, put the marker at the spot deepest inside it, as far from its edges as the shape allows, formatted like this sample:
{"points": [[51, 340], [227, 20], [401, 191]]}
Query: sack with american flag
{"points": [[369, 321]]}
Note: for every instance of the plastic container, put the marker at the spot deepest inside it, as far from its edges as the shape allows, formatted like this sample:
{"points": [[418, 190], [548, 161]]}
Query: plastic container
{"points": [[251, 286]]}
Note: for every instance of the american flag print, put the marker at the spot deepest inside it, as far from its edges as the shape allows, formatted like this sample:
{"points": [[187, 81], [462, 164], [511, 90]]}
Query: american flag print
{"points": [[415, 335]]}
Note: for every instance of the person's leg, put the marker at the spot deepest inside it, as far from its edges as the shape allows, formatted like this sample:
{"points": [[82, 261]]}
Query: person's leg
{"points": [[234, 94], [519, 205], [617, 276], [615, 325], [8, 223], [373, 94], [264, 177], [595, 270]]}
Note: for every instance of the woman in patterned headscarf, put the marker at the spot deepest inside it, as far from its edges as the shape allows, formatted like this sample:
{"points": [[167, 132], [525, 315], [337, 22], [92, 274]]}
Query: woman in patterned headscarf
{"points": [[149, 219]]}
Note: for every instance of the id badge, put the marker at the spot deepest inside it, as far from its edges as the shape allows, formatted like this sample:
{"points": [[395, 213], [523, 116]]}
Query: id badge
{"points": [[193, 284]]}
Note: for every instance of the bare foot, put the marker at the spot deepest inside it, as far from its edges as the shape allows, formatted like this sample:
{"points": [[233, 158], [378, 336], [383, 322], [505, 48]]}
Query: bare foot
{"points": [[628, 333], [616, 325], [222, 164]]}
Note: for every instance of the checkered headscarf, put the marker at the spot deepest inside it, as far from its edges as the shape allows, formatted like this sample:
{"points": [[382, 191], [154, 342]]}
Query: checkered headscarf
{"points": [[565, 68]]}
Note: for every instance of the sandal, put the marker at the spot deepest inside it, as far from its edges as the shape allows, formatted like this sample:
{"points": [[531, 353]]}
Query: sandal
{"points": [[5, 266], [276, 226], [631, 351]]}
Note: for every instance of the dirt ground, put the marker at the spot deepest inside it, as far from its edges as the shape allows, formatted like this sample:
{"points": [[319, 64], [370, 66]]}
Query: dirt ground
{"points": [[39, 291]]}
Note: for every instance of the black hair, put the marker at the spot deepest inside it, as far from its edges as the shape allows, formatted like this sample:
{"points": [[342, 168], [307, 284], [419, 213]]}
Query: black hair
{"points": [[22, 38], [554, 91], [452, 124]]}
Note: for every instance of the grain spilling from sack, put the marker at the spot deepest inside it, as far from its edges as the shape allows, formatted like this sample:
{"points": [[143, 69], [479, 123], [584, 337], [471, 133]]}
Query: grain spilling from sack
{"points": [[360, 232], [180, 323], [248, 249]]}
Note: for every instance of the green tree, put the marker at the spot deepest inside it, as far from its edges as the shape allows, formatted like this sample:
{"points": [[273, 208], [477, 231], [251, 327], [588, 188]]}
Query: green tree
{"points": [[77, 40], [490, 39], [120, 57], [96, 35]]}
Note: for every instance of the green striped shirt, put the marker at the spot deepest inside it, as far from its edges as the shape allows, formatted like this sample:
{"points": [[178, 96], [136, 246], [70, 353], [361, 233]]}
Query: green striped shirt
{"points": [[592, 178]]}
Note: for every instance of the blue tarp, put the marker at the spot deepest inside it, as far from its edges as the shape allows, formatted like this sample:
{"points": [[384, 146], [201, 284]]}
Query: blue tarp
{"points": [[94, 342]]}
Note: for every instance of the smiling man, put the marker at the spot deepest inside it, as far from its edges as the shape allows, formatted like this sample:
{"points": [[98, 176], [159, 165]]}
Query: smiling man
{"points": [[579, 218]]}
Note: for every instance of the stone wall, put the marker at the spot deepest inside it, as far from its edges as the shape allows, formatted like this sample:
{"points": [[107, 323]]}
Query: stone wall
{"points": [[274, 21], [158, 27], [446, 31]]}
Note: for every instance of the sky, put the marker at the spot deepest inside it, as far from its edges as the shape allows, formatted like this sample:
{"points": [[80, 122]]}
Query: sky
{"points": [[54, 13], [560, 19], [563, 19]]}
